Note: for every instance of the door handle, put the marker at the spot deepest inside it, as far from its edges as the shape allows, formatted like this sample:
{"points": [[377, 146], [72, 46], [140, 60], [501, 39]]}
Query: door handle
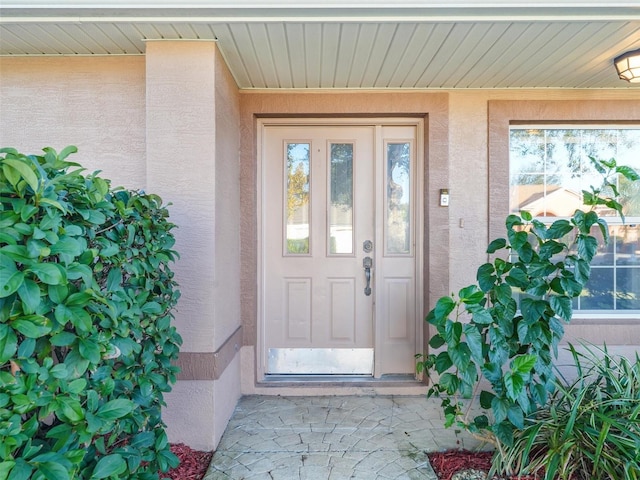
{"points": [[367, 262]]}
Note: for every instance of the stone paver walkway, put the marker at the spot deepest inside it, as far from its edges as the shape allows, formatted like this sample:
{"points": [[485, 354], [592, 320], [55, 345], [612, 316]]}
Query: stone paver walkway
{"points": [[333, 438]]}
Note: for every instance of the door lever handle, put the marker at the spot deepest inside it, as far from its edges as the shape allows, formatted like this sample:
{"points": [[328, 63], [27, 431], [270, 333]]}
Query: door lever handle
{"points": [[367, 262]]}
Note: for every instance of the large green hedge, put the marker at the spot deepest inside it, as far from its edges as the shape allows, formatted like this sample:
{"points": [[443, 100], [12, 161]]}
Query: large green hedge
{"points": [[86, 341]]}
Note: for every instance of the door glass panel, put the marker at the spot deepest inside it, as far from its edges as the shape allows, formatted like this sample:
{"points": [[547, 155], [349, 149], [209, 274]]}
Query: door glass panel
{"points": [[341, 199], [398, 208], [297, 198]]}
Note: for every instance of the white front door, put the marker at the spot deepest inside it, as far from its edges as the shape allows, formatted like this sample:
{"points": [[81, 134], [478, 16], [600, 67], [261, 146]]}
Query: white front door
{"points": [[338, 249]]}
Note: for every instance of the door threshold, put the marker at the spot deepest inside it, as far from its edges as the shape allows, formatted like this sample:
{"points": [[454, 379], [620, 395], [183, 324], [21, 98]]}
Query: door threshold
{"points": [[279, 380]]}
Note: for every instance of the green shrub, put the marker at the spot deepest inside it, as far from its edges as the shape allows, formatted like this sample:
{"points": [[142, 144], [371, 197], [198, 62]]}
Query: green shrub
{"points": [[86, 341], [503, 350], [589, 429]]}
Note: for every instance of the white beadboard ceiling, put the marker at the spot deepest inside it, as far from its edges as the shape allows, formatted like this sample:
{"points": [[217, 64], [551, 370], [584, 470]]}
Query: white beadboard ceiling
{"points": [[366, 48]]}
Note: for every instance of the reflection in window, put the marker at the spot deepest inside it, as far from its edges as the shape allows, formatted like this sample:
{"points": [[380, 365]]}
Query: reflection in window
{"points": [[549, 168], [341, 208], [615, 274], [298, 162], [398, 179]]}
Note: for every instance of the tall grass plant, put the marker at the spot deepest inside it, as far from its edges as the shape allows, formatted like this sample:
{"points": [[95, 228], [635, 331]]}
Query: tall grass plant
{"points": [[590, 427]]}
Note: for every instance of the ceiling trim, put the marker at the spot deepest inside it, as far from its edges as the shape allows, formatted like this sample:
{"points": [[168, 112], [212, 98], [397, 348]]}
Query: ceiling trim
{"points": [[270, 4], [314, 11], [208, 19]]}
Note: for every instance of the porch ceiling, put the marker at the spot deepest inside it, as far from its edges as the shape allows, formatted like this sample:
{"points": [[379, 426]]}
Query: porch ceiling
{"points": [[404, 47]]}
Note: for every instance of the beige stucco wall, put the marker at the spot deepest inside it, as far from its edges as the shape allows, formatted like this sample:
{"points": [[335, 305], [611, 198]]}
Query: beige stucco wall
{"points": [[227, 233], [198, 411], [192, 149], [95, 103], [181, 149]]}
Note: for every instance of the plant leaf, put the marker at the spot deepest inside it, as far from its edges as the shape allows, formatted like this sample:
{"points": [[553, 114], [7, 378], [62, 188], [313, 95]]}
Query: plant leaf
{"points": [[53, 471], [514, 383], [523, 364], [49, 273], [29, 293], [8, 343], [109, 465], [496, 245], [559, 229], [114, 409], [474, 341], [443, 362], [444, 306], [562, 306], [504, 432], [486, 277], [436, 341], [9, 284], [485, 399], [32, 326], [25, 171]]}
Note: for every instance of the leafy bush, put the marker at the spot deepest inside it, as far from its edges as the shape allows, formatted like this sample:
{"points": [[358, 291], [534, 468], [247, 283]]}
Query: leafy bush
{"points": [[86, 341], [589, 429], [492, 340]]}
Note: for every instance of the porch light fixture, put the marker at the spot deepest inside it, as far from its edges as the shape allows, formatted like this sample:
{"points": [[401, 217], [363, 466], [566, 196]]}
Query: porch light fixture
{"points": [[628, 66]]}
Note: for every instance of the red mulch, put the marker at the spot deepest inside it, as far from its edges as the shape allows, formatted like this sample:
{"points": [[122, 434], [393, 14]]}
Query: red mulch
{"points": [[445, 464], [193, 463]]}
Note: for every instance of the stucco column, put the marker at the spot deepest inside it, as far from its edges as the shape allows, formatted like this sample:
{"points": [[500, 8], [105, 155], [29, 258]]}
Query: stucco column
{"points": [[181, 169], [192, 166]]}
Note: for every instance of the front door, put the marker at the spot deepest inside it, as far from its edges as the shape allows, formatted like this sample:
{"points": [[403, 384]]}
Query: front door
{"points": [[338, 249]]}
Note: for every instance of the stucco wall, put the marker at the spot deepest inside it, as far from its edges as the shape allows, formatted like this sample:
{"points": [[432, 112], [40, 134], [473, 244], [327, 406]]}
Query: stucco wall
{"points": [[181, 148], [198, 411], [192, 144], [95, 103], [227, 232]]}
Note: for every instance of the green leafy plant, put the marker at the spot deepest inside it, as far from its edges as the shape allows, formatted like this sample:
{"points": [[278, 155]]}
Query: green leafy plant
{"points": [[501, 349], [86, 341], [590, 428]]}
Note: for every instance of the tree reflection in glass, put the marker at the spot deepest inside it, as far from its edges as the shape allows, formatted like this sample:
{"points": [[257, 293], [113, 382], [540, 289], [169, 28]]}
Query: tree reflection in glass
{"points": [[398, 198], [297, 198]]}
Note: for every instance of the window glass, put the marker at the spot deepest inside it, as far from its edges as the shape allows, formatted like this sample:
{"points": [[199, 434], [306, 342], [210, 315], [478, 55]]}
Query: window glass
{"points": [[341, 206], [548, 169], [398, 198], [298, 162]]}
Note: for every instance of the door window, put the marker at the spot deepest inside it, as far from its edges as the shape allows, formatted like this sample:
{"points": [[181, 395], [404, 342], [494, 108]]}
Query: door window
{"points": [[398, 198], [297, 195], [341, 199]]}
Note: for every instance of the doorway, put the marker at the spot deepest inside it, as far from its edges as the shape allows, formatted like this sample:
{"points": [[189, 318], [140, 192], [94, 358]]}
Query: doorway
{"points": [[340, 216]]}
